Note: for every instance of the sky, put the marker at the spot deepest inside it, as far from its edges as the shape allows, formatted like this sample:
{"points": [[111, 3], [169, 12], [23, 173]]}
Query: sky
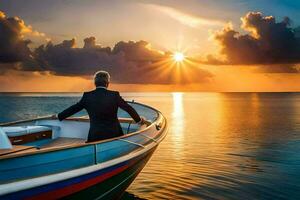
{"points": [[228, 45]]}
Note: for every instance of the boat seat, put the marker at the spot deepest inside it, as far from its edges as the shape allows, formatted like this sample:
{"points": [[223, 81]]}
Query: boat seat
{"points": [[4, 141], [13, 131]]}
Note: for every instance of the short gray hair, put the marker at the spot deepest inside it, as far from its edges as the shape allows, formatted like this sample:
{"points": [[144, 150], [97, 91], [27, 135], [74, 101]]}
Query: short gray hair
{"points": [[101, 78]]}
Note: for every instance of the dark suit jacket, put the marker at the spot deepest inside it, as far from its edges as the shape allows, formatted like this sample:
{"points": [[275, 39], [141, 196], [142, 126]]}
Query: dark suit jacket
{"points": [[102, 106]]}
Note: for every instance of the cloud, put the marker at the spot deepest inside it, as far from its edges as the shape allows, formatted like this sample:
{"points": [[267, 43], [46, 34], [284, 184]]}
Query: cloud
{"points": [[184, 18], [138, 51], [128, 62], [267, 42], [281, 68], [68, 60], [13, 45]]}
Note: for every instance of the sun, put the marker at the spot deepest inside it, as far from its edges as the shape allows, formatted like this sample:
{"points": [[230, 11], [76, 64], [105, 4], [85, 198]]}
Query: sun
{"points": [[178, 57]]}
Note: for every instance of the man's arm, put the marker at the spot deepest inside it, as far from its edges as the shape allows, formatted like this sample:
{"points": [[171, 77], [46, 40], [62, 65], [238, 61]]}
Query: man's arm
{"points": [[131, 111], [71, 110]]}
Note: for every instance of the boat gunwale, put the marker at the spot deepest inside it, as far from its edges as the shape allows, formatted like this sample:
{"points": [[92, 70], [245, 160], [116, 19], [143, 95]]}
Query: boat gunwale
{"points": [[160, 117]]}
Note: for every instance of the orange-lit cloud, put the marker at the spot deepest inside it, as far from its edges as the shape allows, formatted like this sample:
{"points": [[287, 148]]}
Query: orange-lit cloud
{"points": [[268, 42], [13, 45]]}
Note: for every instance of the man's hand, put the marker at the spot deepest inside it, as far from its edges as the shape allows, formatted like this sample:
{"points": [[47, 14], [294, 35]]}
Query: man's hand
{"points": [[142, 121]]}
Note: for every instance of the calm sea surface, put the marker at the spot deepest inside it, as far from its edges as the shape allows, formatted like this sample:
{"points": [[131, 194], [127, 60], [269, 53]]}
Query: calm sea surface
{"points": [[219, 145]]}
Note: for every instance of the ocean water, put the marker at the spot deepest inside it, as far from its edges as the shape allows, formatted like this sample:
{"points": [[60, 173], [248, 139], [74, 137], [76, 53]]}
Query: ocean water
{"points": [[219, 145]]}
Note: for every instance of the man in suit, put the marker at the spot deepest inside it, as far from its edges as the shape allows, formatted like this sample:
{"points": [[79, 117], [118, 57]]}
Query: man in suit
{"points": [[102, 107]]}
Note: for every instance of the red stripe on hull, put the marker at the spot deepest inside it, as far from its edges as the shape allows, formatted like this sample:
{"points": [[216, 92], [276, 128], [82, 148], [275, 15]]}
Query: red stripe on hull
{"points": [[65, 191]]}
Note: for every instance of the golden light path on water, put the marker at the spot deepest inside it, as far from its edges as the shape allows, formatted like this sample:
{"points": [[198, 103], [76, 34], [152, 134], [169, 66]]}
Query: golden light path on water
{"points": [[178, 123]]}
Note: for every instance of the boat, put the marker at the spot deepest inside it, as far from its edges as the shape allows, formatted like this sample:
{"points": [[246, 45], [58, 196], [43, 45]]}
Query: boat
{"points": [[44, 158]]}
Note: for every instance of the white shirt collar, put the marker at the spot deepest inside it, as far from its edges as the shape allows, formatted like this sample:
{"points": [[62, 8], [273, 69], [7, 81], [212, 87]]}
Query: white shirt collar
{"points": [[101, 87]]}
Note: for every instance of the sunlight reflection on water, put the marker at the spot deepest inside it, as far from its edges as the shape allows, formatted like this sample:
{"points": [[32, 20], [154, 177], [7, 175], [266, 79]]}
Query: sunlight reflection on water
{"points": [[178, 124]]}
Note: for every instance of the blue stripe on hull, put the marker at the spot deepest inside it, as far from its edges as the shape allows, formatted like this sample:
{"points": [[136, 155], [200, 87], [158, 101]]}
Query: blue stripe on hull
{"points": [[46, 163]]}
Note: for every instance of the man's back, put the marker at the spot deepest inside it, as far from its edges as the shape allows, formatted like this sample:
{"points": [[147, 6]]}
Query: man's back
{"points": [[102, 106]]}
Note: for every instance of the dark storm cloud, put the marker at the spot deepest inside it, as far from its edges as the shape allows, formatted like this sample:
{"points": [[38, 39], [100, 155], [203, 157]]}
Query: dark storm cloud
{"points": [[13, 48], [268, 42]]}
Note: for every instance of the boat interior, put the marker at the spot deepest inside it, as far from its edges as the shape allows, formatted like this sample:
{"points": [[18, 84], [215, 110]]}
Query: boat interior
{"points": [[50, 133], [43, 146], [45, 133]]}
